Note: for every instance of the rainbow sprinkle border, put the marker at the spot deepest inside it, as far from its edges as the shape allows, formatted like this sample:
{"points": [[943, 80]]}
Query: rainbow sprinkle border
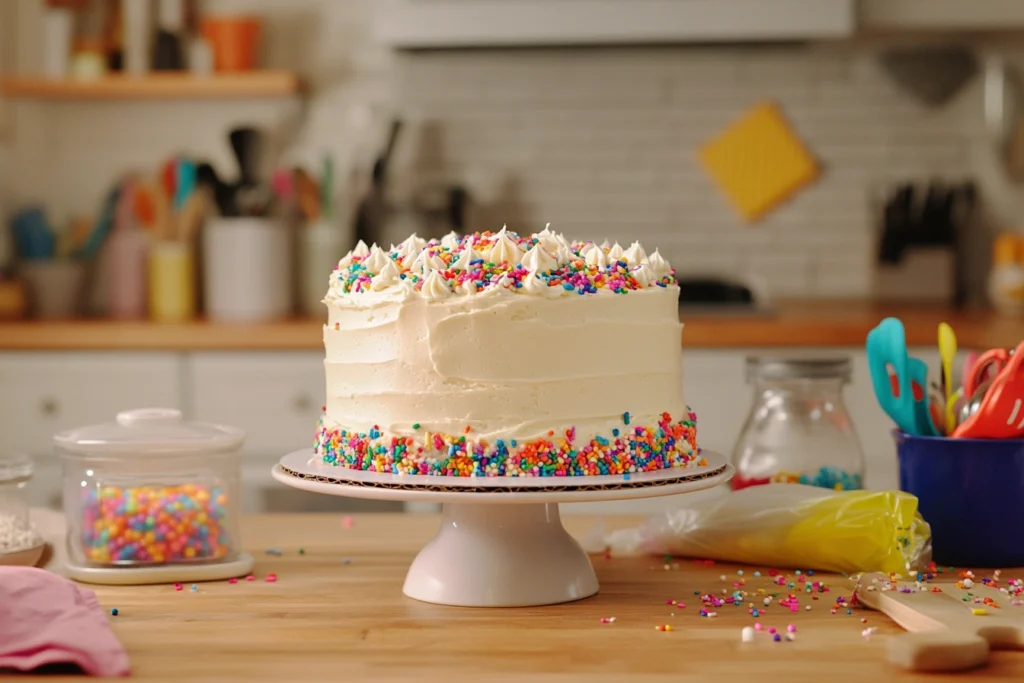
{"points": [[634, 448]]}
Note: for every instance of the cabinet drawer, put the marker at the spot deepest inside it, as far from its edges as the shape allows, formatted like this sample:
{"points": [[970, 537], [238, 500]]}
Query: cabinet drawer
{"points": [[43, 393], [275, 397]]}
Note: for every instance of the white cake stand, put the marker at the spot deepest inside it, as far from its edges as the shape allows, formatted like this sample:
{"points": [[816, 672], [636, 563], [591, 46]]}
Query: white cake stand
{"points": [[501, 542]]}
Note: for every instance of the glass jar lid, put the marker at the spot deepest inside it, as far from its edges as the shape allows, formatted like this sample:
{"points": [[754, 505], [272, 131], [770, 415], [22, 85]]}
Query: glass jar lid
{"points": [[15, 469], [796, 367], [150, 431]]}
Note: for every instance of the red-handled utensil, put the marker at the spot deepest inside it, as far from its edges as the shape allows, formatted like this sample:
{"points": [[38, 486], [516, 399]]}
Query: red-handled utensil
{"points": [[1001, 413]]}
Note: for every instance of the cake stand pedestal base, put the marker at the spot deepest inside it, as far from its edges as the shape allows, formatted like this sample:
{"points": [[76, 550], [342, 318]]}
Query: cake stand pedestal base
{"points": [[494, 555], [501, 542]]}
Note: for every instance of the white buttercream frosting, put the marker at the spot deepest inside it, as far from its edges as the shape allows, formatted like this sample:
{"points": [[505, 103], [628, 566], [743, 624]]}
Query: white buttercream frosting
{"points": [[435, 287], [538, 260], [504, 250], [635, 255], [495, 263]]}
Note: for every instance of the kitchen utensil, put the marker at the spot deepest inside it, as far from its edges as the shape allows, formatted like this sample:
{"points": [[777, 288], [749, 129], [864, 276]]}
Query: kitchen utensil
{"points": [[144, 206], [947, 351], [308, 194], [245, 144], [185, 183], [372, 208], [987, 366], [1004, 108], [887, 349], [327, 187], [933, 74], [55, 289], [898, 225], [999, 416], [945, 635], [101, 227], [191, 216], [223, 194], [169, 177], [970, 407], [960, 482]]}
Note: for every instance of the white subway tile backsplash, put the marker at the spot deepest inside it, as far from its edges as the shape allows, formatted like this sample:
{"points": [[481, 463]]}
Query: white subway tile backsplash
{"points": [[601, 142]]}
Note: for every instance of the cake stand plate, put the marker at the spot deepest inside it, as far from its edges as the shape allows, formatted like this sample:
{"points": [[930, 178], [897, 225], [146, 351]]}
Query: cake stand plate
{"points": [[501, 542]]}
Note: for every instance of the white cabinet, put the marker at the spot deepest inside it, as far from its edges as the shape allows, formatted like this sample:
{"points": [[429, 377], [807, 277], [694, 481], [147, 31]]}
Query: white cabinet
{"points": [[474, 23], [44, 393]]}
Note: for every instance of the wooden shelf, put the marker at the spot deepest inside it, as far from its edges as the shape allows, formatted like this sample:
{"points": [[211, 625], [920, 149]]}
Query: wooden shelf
{"points": [[156, 86], [794, 324]]}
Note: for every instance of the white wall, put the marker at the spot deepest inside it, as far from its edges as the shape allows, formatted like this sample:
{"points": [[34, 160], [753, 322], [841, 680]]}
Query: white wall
{"points": [[601, 142]]}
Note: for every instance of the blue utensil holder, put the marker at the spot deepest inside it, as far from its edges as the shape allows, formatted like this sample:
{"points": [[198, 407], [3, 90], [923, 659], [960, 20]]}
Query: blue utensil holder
{"points": [[971, 493]]}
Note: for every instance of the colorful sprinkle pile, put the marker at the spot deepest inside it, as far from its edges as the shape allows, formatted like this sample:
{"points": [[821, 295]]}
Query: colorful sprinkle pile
{"points": [[495, 260], [634, 449], [155, 524]]}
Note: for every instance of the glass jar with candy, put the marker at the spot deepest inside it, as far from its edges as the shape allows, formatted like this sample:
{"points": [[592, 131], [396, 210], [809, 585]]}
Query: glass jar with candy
{"points": [[150, 498], [798, 429]]}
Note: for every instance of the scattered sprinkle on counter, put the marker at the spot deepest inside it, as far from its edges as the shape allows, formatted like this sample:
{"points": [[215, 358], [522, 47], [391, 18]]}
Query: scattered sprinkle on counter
{"points": [[233, 579], [663, 627], [178, 586], [271, 578], [302, 551], [250, 578], [114, 612], [979, 611], [748, 634], [607, 620], [346, 560], [274, 551]]}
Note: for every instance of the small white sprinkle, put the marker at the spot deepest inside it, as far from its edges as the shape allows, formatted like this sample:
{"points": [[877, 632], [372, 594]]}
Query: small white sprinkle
{"points": [[790, 637], [868, 631], [748, 634], [767, 602], [968, 583], [722, 577], [808, 608]]}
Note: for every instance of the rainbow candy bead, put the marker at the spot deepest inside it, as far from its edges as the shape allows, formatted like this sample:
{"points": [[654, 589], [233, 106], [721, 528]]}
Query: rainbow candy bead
{"points": [[155, 524]]}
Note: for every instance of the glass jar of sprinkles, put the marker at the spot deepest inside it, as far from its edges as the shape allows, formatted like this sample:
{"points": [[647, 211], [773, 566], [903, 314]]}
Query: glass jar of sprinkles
{"points": [[16, 532], [154, 495], [798, 429]]}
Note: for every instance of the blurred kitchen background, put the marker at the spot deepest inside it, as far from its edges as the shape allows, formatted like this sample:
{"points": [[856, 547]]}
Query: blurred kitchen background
{"points": [[177, 177]]}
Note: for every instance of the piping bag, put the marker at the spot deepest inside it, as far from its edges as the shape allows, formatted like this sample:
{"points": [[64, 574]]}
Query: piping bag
{"points": [[788, 525]]}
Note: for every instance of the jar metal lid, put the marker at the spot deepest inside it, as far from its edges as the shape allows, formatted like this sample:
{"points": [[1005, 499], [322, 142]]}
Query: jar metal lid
{"points": [[150, 431], [15, 469], [796, 367]]}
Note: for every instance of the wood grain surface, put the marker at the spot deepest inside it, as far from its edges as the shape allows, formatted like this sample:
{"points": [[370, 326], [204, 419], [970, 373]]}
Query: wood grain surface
{"points": [[791, 324], [325, 620]]}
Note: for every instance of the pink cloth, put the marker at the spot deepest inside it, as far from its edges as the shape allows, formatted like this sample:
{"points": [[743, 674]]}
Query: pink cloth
{"points": [[47, 620]]}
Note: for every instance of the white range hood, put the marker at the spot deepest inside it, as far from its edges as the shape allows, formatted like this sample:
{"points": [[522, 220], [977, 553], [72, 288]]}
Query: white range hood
{"points": [[415, 24]]}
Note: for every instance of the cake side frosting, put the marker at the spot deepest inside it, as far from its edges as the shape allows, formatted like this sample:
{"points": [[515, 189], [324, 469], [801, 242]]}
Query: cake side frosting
{"points": [[430, 375]]}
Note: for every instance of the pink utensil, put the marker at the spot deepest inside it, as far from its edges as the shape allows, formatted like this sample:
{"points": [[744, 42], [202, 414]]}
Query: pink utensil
{"points": [[1001, 413]]}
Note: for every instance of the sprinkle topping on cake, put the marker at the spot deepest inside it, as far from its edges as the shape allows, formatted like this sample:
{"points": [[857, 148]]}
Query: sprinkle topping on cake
{"points": [[544, 264]]}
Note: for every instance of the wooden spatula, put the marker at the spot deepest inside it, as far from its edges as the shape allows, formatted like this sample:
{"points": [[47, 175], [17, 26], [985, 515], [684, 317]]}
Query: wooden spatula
{"points": [[945, 635]]}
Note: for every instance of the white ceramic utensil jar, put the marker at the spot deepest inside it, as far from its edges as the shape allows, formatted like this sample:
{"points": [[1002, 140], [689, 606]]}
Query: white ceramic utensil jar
{"points": [[150, 498]]}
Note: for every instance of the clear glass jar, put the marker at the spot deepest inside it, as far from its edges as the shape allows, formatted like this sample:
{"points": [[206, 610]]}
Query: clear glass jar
{"points": [[16, 533], [150, 490], [798, 429]]}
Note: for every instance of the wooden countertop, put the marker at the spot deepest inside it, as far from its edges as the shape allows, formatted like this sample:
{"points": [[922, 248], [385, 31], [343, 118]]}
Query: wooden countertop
{"points": [[324, 620], [793, 323]]}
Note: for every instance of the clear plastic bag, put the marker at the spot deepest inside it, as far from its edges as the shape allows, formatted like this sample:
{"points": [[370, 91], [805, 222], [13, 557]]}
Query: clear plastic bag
{"points": [[790, 525]]}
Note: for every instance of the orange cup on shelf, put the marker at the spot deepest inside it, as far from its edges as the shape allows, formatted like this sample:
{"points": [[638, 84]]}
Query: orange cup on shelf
{"points": [[234, 40]]}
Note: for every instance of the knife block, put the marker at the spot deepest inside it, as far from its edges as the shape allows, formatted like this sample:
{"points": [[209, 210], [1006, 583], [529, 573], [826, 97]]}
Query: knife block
{"points": [[924, 275]]}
